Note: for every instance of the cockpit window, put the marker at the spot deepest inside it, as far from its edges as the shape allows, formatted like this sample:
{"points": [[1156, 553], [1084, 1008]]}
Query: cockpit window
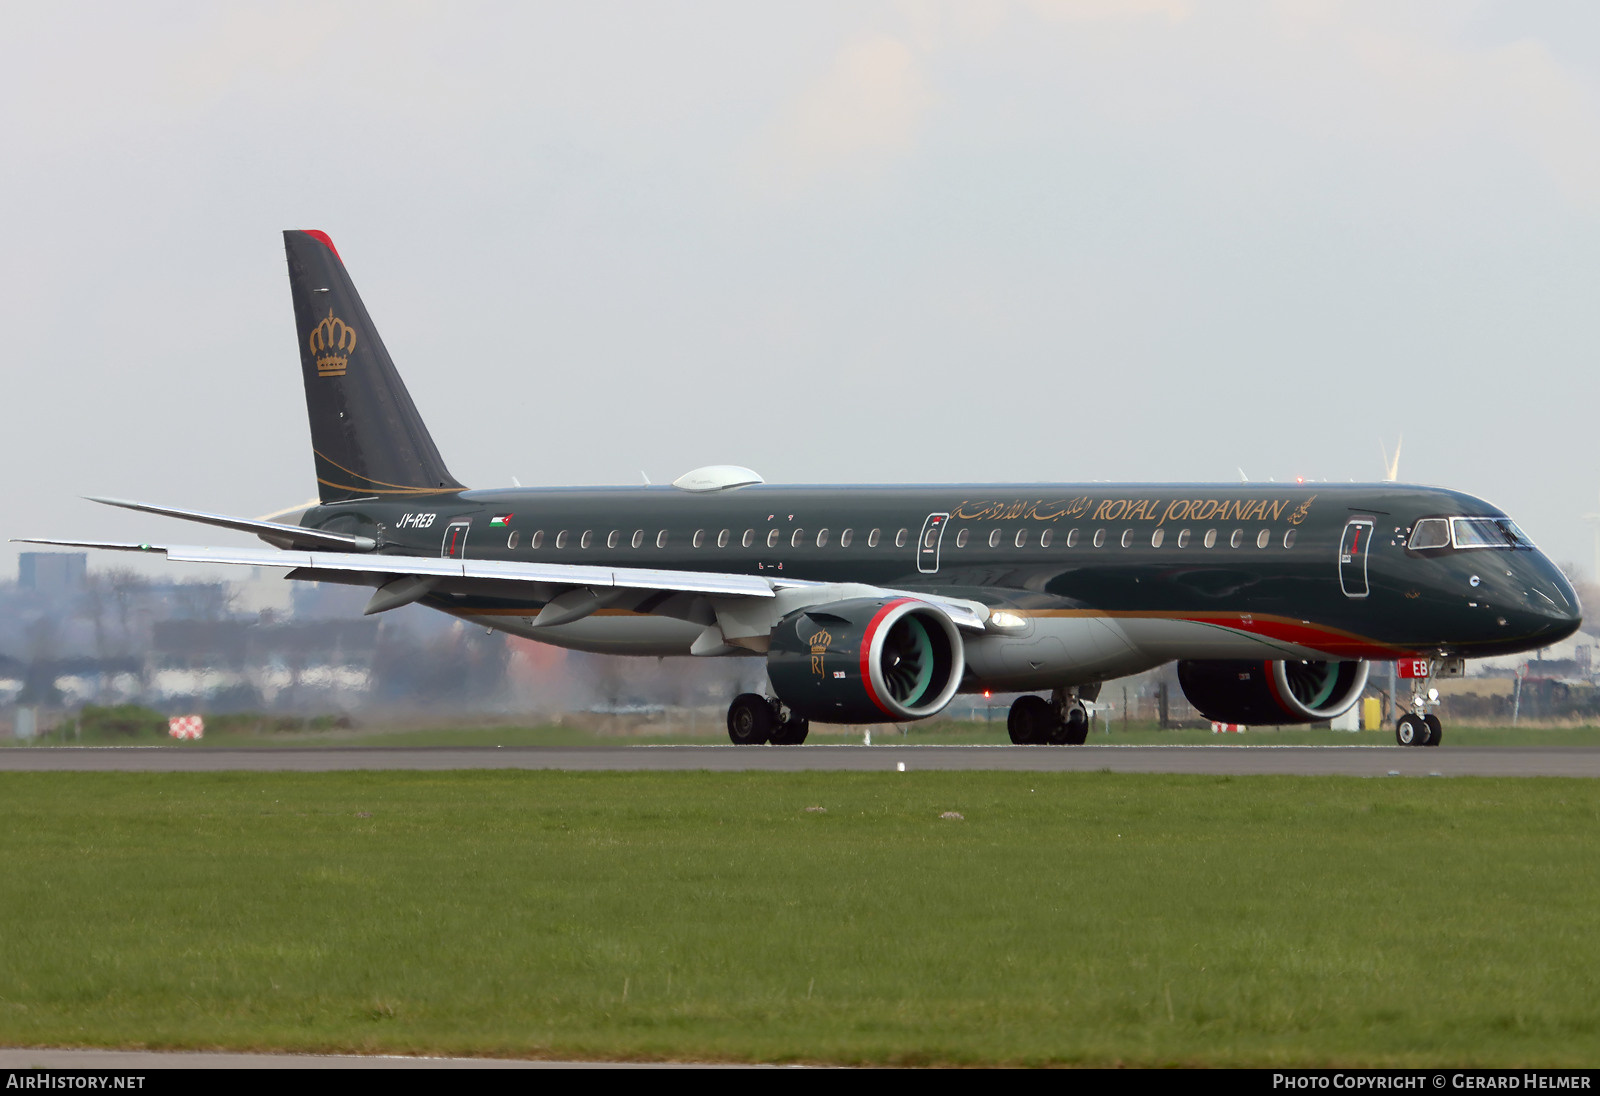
{"points": [[1488, 533], [1430, 533]]}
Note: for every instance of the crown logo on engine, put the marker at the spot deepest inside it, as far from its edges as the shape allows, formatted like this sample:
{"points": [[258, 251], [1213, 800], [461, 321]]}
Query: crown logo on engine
{"points": [[819, 647], [332, 342]]}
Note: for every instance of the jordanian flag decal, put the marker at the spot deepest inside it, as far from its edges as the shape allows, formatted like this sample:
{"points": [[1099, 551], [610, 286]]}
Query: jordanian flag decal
{"points": [[500, 519]]}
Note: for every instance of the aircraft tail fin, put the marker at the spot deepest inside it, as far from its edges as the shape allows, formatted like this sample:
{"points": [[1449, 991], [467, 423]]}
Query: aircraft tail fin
{"points": [[366, 435]]}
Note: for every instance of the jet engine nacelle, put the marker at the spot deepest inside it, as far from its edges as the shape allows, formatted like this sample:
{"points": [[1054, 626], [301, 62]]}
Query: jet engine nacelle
{"points": [[1271, 693], [866, 660]]}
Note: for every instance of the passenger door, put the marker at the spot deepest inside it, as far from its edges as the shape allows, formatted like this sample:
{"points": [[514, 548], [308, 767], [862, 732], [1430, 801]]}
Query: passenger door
{"points": [[928, 543], [1353, 557], [455, 540]]}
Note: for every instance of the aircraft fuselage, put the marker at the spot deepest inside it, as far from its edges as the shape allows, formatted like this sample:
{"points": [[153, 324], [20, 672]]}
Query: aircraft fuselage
{"points": [[1106, 578]]}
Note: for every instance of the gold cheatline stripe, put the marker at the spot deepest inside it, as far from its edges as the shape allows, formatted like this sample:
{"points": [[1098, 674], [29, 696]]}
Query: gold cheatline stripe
{"points": [[369, 479], [381, 491]]}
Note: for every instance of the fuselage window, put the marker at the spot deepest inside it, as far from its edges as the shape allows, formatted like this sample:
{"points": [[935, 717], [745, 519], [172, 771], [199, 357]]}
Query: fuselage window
{"points": [[1263, 538], [749, 537], [1430, 533], [846, 537], [1183, 538], [561, 539], [614, 538], [722, 539], [699, 538], [1099, 538], [1211, 538], [900, 538], [514, 539], [588, 539], [772, 538], [1022, 538], [1157, 537], [994, 538], [1072, 538], [1237, 538], [538, 539], [638, 537], [1127, 538], [961, 539], [872, 539], [661, 539], [931, 539], [1046, 537], [822, 538], [1288, 539], [799, 535]]}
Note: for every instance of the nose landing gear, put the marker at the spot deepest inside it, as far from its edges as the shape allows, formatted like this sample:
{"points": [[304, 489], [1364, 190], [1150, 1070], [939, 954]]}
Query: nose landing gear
{"points": [[1420, 726]]}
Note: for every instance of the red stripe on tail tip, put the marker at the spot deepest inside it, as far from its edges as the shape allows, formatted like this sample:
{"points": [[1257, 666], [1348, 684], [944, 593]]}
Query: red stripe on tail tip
{"points": [[322, 238]]}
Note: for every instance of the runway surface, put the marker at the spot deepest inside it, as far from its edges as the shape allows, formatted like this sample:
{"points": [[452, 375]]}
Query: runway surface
{"points": [[1215, 760]]}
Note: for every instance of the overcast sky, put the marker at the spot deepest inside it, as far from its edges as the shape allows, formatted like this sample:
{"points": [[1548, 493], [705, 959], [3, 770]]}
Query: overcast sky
{"points": [[1046, 241]]}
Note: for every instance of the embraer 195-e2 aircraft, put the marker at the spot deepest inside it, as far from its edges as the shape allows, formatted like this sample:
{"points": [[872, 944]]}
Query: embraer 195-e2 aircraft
{"points": [[881, 603]]}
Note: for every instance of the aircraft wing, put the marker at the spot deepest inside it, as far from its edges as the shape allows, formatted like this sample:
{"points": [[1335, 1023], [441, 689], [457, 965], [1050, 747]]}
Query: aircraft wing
{"points": [[402, 579]]}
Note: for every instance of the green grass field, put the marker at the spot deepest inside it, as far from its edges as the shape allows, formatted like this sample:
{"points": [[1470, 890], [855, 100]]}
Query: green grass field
{"points": [[1067, 918]]}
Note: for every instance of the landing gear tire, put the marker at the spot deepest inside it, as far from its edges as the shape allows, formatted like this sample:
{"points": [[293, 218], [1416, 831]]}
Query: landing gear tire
{"points": [[1435, 730], [1412, 730], [1076, 726], [751, 720], [791, 732], [1070, 727], [1031, 720]]}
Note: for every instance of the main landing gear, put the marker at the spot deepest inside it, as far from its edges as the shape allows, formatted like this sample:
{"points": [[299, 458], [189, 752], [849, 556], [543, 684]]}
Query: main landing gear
{"points": [[1420, 726], [753, 720], [1063, 720]]}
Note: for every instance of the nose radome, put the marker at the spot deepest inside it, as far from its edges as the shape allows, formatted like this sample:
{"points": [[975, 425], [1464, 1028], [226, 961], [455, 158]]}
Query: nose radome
{"points": [[1553, 598], [1571, 617]]}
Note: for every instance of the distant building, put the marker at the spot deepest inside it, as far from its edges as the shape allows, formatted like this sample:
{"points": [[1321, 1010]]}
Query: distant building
{"points": [[266, 595], [52, 572]]}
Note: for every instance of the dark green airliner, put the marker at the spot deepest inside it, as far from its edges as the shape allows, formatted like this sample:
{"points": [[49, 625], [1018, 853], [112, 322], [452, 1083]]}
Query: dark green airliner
{"points": [[881, 603]]}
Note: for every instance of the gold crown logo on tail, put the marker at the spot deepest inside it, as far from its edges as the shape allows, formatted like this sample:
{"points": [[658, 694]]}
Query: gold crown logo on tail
{"points": [[332, 342]]}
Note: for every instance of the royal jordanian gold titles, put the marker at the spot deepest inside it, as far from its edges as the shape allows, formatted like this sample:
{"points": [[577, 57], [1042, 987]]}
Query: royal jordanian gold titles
{"points": [[1156, 510]]}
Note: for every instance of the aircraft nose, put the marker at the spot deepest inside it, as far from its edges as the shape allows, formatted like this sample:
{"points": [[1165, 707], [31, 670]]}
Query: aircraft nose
{"points": [[1551, 598]]}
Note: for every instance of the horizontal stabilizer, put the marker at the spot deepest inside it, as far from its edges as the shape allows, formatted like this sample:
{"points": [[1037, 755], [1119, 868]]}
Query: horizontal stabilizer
{"points": [[284, 536], [109, 545]]}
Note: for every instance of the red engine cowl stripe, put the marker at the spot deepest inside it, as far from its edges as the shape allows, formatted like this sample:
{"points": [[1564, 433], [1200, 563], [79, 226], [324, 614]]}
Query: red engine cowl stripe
{"points": [[866, 655], [1272, 686]]}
